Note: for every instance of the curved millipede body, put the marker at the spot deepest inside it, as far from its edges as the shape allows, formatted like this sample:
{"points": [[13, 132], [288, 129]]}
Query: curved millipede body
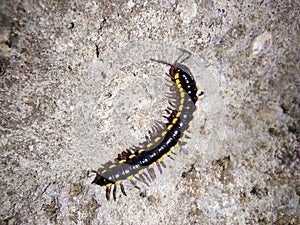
{"points": [[135, 162]]}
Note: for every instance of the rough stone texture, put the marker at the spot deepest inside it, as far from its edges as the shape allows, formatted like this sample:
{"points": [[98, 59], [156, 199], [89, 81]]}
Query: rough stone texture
{"points": [[77, 88]]}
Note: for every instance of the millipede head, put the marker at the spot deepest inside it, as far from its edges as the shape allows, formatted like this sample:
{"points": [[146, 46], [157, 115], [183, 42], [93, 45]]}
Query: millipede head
{"points": [[175, 68], [100, 180]]}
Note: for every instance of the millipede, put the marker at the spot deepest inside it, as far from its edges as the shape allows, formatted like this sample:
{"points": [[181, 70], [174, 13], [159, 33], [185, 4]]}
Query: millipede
{"points": [[138, 161]]}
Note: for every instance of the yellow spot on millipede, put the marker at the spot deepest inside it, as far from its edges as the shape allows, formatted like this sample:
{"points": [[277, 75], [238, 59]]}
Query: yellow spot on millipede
{"points": [[160, 159], [122, 161], [178, 114], [176, 145], [196, 108], [157, 139], [189, 128], [118, 182], [164, 133], [179, 86], [131, 156], [151, 165], [130, 177], [169, 127], [183, 137], [141, 150], [181, 101], [149, 145], [174, 120], [108, 185], [180, 108], [176, 76], [177, 81], [112, 166], [182, 95], [169, 152], [141, 171], [103, 171]]}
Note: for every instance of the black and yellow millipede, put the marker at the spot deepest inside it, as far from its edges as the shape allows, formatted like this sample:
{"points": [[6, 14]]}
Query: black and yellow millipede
{"points": [[138, 162]]}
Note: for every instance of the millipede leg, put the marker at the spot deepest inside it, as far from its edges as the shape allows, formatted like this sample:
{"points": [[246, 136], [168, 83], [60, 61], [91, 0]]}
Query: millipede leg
{"points": [[170, 156], [123, 189], [170, 95], [163, 164], [187, 137], [134, 184], [147, 177], [152, 173], [159, 167], [155, 128], [183, 143], [114, 192], [148, 139], [172, 102], [170, 85], [142, 178], [108, 193]]}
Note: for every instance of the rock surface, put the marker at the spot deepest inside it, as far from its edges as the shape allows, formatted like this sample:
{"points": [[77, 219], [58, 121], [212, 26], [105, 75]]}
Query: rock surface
{"points": [[78, 87]]}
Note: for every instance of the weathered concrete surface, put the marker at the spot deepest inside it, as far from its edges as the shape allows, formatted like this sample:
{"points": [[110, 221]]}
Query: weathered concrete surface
{"points": [[77, 88]]}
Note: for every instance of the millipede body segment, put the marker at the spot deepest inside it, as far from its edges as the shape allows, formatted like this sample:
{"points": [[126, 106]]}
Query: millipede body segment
{"points": [[135, 162]]}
